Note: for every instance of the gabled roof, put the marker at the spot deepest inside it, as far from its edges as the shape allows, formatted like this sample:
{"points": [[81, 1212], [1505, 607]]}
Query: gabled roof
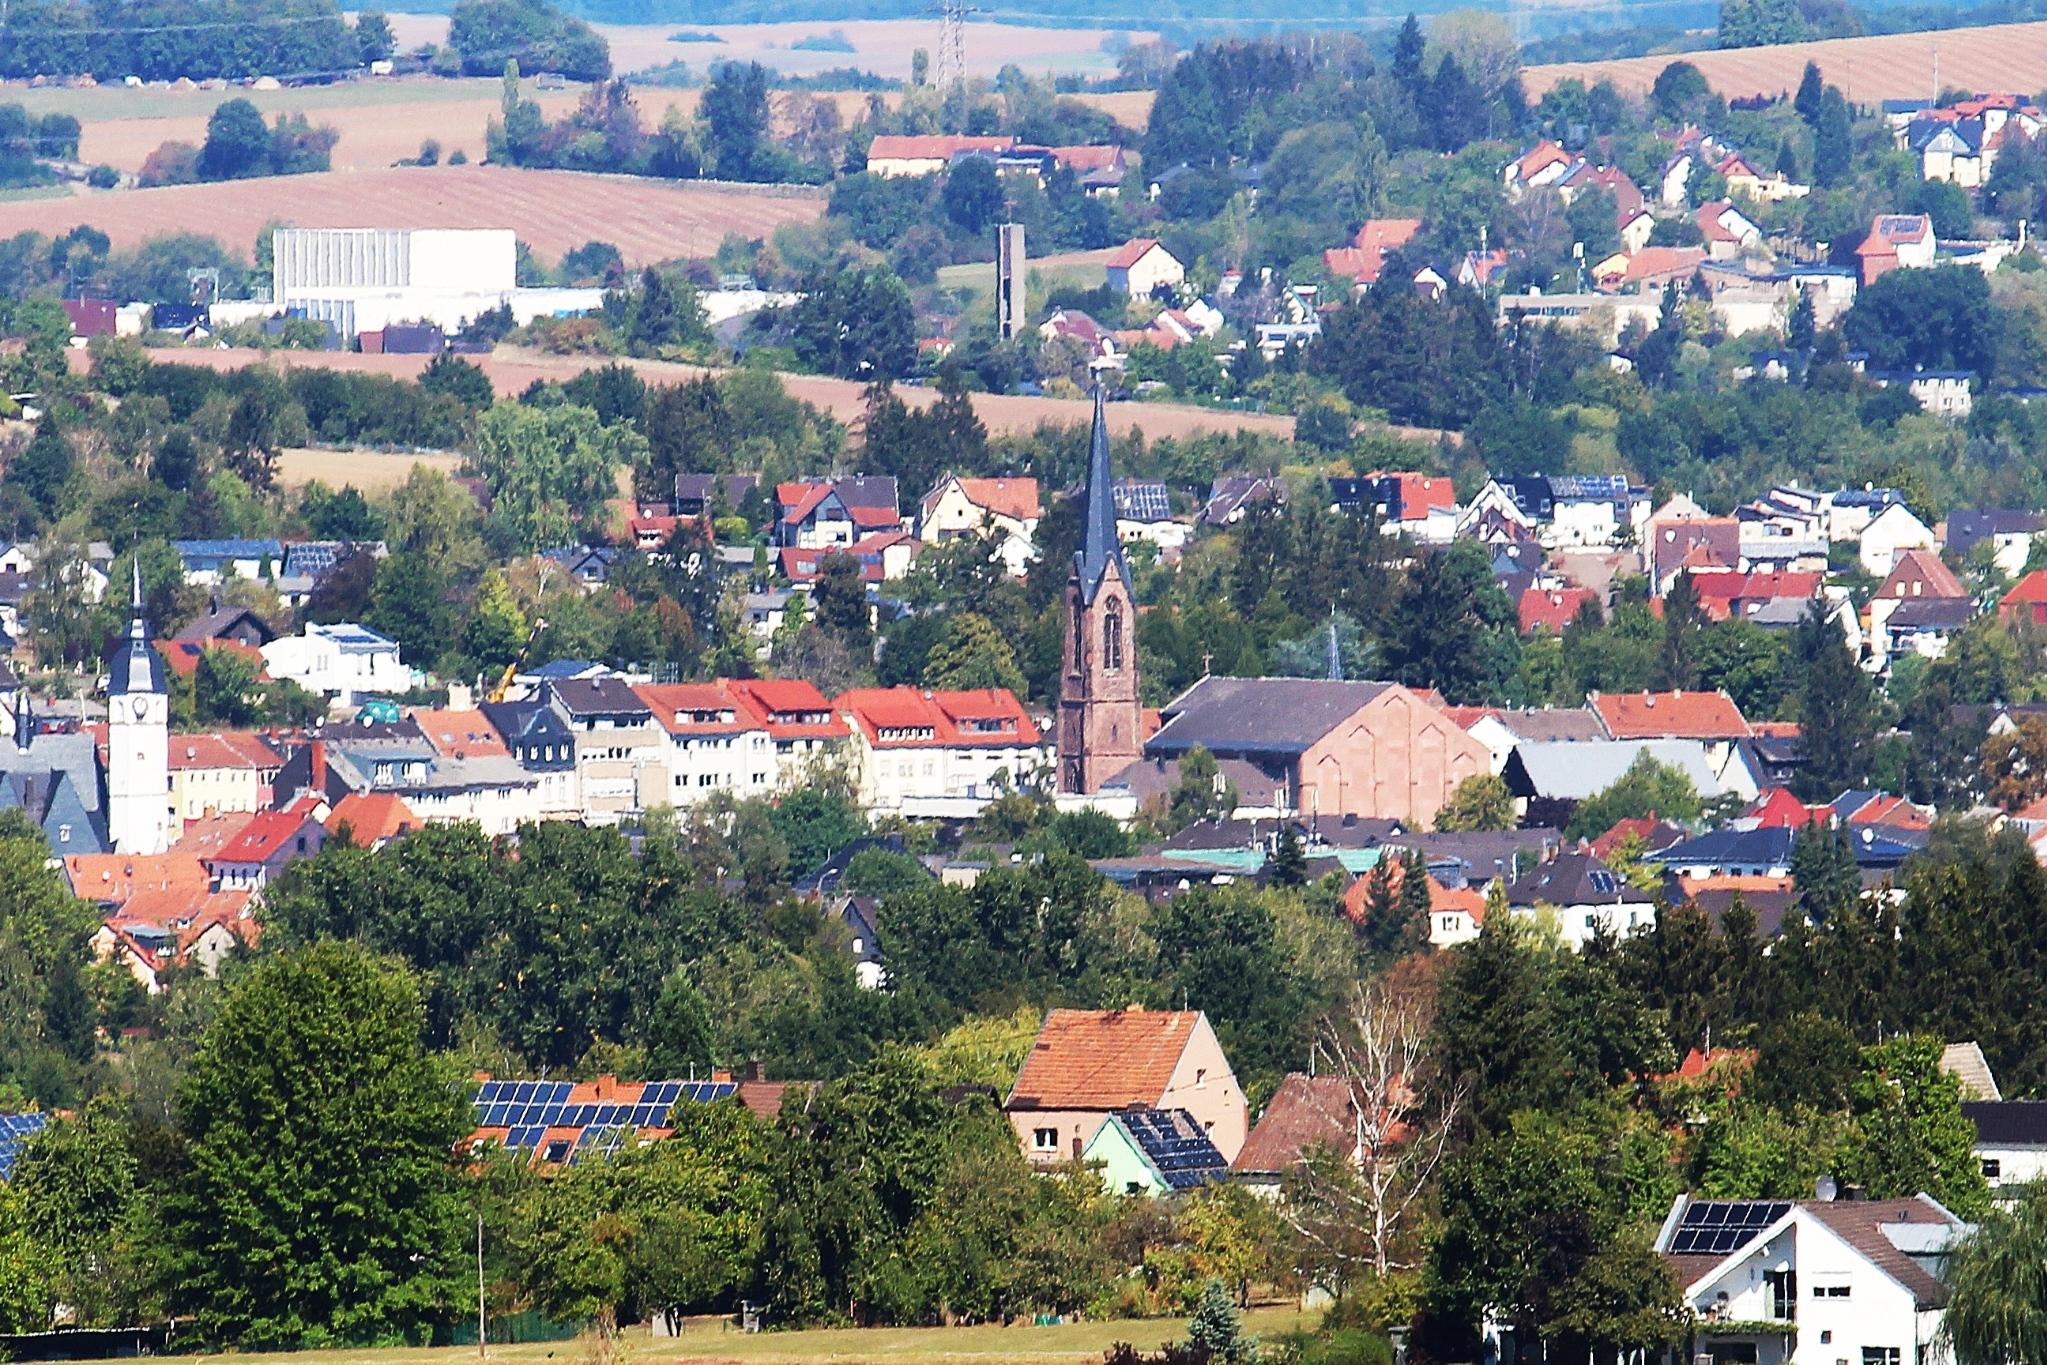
{"points": [[1573, 879], [1925, 569], [460, 734], [1174, 1145], [1014, 497], [2028, 590], [372, 818], [1103, 1059], [1539, 158], [905, 717], [241, 749], [1552, 609], [931, 146], [1131, 252], [268, 833], [698, 709], [1887, 231], [1966, 1063], [1878, 1230], [215, 624], [1259, 715], [791, 708], [113, 878], [1668, 715]]}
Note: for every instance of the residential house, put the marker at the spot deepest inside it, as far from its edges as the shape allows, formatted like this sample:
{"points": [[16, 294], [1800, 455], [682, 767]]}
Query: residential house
{"points": [[1776, 1281], [1154, 1153], [938, 753], [227, 772], [1726, 229], [228, 624], [1944, 393], [1421, 507], [560, 1123], [345, 661], [1232, 496], [1551, 609], [622, 758], [1144, 512], [882, 556], [55, 781], [1587, 898], [371, 819], [1141, 267], [1673, 181], [1634, 227], [820, 514], [1306, 1116], [1758, 594], [1896, 241], [703, 495], [1501, 729], [2011, 1142], [1764, 851], [1916, 575], [209, 562], [1087, 1065], [1649, 269], [588, 566], [268, 843], [715, 742], [1095, 340], [1004, 512], [537, 738], [894, 155], [1542, 165], [2026, 602], [1550, 778], [802, 725], [1711, 718], [1744, 180], [1337, 748], [2009, 532], [1697, 545], [1364, 259], [1889, 534], [1925, 626]]}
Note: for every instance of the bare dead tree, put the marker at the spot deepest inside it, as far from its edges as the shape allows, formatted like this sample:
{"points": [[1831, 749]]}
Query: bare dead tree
{"points": [[1353, 1201]]}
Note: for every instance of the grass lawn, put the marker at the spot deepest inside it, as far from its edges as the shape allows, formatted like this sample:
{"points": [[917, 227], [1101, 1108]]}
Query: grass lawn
{"points": [[1079, 269], [712, 1340]]}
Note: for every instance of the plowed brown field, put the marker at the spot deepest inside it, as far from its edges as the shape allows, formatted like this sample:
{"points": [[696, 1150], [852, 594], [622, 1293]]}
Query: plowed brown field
{"points": [[1894, 66], [552, 211]]}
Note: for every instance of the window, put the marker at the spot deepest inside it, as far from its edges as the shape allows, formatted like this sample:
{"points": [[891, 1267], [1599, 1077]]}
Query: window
{"points": [[1880, 1355], [1112, 637], [1837, 1289], [1783, 1286], [1992, 1167], [1044, 1139]]}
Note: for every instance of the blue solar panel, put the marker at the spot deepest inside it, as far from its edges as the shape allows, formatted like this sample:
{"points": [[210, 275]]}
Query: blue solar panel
{"points": [[15, 1130], [1715, 1227], [1142, 501], [1177, 1146]]}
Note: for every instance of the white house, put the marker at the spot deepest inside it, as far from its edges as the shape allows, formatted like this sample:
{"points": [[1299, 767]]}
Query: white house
{"points": [[935, 754], [1586, 897], [715, 742], [1889, 533], [2011, 1142], [1773, 1281], [1944, 393], [1002, 511], [344, 661], [1141, 265]]}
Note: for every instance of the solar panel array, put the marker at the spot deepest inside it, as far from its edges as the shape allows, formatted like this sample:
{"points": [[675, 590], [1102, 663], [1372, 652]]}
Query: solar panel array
{"points": [[1174, 1143], [16, 1129], [1715, 1227], [1143, 502], [1603, 882], [528, 1109], [1588, 485]]}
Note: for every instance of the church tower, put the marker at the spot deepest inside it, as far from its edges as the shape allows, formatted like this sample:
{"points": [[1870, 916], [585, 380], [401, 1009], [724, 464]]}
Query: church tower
{"points": [[1098, 713], [138, 740]]}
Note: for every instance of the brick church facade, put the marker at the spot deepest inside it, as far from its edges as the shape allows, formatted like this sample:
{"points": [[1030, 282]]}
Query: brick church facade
{"points": [[1100, 727]]}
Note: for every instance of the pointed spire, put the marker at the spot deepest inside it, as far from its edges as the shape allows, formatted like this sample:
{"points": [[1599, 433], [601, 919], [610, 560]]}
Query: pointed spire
{"points": [[1099, 547], [1335, 653], [135, 564]]}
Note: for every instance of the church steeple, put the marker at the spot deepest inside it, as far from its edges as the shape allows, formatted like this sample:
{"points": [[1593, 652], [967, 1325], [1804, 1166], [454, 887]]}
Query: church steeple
{"points": [[138, 776], [1099, 547], [1099, 726]]}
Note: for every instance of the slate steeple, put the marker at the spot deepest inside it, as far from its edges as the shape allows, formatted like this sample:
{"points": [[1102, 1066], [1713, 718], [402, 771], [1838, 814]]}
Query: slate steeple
{"points": [[1099, 547], [1100, 723]]}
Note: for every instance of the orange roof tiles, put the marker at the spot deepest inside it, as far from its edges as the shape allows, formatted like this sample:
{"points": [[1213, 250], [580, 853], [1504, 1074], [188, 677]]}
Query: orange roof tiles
{"points": [[1130, 253], [460, 734], [372, 818], [907, 717], [791, 708], [1552, 609], [931, 146], [1921, 573], [2031, 588], [1016, 498], [1669, 715], [1103, 1059], [114, 878], [1305, 1113], [228, 749], [266, 834]]}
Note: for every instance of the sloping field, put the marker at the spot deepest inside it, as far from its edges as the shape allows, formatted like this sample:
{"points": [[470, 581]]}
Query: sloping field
{"points": [[553, 211], [1893, 66], [512, 370]]}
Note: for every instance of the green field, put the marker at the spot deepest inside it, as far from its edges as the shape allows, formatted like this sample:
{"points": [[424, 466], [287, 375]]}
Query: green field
{"points": [[1081, 269], [713, 1340]]}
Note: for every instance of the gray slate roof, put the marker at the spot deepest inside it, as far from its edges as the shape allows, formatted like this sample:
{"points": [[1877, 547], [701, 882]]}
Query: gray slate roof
{"points": [[1258, 715], [1572, 770]]}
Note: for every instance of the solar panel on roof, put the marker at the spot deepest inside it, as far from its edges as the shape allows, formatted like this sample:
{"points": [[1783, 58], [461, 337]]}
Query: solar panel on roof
{"points": [[1142, 501], [1176, 1146], [1715, 1227], [15, 1131]]}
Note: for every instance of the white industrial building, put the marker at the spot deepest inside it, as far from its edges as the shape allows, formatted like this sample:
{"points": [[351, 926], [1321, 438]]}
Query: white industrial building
{"points": [[367, 279]]}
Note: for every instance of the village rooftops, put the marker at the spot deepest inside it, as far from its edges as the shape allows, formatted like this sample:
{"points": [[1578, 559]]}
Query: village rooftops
{"points": [[1103, 1059]]}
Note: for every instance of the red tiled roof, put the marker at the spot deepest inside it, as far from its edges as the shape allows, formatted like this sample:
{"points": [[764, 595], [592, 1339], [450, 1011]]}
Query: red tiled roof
{"points": [[460, 734], [182, 656], [1542, 155], [242, 749], [1669, 715], [1103, 1059], [114, 878], [675, 704], [1016, 498], [1658, 262], [931, 146], [1777, 808], [178, 907], [1305, 1113], [1130, 253], [2030, 589], [780, 702], [1552, 609], [938, 718], [1087, 158], [1419, 494], [1926, 569], [266, 834], [372, 818]]}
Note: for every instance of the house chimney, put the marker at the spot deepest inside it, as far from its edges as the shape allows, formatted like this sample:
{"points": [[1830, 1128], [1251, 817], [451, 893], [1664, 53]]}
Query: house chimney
{"points": [[461, 697], [752, 1069], [318, 765]]}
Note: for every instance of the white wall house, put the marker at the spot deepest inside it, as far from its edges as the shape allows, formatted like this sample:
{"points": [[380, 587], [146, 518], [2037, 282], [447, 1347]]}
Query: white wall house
{"points": [[2011, 1142], [344, 661], [714, 743], [1773, 1281], [1892, 531], [936, 754]]}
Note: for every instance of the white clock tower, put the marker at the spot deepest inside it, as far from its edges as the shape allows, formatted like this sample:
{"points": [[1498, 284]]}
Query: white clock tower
{"points": [[138, 740]]}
